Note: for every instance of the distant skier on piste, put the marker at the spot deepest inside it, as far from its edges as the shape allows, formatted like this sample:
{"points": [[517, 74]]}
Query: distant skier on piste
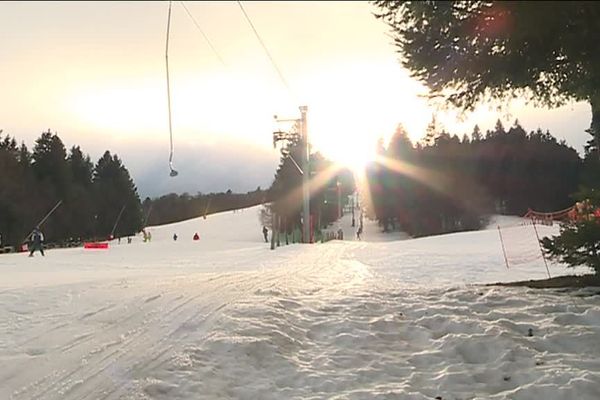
{"points": [[265, 232], [36, 242]]}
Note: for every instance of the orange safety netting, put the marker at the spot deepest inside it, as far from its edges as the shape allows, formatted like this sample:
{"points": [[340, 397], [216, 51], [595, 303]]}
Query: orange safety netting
{"points": [[582, 210]]}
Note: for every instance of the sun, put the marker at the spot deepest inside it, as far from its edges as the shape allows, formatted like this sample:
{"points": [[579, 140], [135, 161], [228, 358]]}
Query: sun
{"points": [[354, 155]]}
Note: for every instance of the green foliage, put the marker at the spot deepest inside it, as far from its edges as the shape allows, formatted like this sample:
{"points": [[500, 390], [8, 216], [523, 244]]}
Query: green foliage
{"points": [[114, 190], [32, 183], [470, 50], [578, 242], [173, 207], [451, 185]]}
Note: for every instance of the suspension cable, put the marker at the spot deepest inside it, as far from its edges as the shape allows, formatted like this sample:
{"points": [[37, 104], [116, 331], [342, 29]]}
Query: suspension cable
{"points": [[262, 43], [203, 34]]}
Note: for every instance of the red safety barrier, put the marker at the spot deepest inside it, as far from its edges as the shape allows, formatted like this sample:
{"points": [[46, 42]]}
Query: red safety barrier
{"points": [[95, 245]]}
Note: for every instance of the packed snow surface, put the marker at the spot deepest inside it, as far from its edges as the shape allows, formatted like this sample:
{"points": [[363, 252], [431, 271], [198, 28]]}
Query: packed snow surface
{"points": [[227, 318]]}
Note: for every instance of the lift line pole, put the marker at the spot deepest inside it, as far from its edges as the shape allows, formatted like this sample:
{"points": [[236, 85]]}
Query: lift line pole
{"points": [[305, 175]]}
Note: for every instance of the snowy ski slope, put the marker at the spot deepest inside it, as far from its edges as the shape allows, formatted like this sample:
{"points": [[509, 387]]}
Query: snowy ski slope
{"points": [[227, 318]]}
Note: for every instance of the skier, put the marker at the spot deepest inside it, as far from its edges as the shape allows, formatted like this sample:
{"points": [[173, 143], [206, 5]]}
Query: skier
{"points": [[359, 232], [196, 236], [265, 232], [37, 242], [174, 237]]}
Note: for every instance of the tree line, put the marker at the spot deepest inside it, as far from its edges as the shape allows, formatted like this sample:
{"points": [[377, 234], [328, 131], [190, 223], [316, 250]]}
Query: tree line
{"points": [[445, 184], [178, 207], [468, 52], [91, 195]]}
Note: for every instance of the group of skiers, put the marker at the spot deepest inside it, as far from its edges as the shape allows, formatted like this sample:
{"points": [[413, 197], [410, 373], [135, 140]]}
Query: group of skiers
{"points": [[339, 233], [195, 237], [147, 236], [36, 241]]}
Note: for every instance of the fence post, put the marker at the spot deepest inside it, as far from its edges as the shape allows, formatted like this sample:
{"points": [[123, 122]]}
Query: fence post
{"points": [[503, 249], [541, 250], [273, 227]]}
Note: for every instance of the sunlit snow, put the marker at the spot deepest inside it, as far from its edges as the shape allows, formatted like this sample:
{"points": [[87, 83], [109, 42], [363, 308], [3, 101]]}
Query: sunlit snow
{"points": [[227, 318]]}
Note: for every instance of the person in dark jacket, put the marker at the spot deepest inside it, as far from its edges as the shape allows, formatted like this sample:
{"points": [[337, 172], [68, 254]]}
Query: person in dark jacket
{"points": [[359, 232], [265, 233], [36, 242]]}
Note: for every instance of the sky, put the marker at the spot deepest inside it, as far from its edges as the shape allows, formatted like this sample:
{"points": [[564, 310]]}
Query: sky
{"points": [[94, 72]]}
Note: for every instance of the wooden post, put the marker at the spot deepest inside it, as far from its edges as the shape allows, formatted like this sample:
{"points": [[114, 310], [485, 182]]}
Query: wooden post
{"points": [[273, 218], [541, 250], [503, 249], [278, 224]]}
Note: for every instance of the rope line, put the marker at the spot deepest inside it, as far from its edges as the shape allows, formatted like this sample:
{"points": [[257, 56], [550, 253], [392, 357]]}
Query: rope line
{"points": [[203, 34], [262, 43]]}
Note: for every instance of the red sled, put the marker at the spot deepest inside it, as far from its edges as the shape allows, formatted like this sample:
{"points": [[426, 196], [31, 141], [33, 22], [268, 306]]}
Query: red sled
{"points": [[95, 245]]}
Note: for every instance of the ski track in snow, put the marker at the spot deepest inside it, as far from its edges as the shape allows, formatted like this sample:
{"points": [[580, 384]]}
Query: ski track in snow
{"points": [[341, 320]]}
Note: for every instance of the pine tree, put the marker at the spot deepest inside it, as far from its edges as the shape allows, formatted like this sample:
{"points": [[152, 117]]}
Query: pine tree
{"points": [[114, 189], [50, 163], [431, 132], [80, 198], [476, 134], [579, 241], [53, 180], [400, 145]]}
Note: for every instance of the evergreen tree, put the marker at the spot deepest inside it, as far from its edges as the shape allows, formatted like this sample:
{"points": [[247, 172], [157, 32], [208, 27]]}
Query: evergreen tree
{"points": [[53, 179], [452, 185], [114, 189], [579, 241], [465, 52], [80, 199], [499, 128], [32, 183], [81, 167], [50, 164], [12, 198], [24, 157], [431, 132], [476, 134]]}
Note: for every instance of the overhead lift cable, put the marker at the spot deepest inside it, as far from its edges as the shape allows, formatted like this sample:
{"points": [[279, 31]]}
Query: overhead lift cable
{"points": [[203, 34], [262, 43]]}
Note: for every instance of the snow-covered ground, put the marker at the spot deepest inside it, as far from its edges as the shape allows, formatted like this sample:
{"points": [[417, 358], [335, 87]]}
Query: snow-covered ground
{"points": [[227, 318]]}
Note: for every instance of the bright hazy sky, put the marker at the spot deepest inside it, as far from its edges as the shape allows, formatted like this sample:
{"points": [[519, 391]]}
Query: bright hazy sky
{"points": [[94, 72]]}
